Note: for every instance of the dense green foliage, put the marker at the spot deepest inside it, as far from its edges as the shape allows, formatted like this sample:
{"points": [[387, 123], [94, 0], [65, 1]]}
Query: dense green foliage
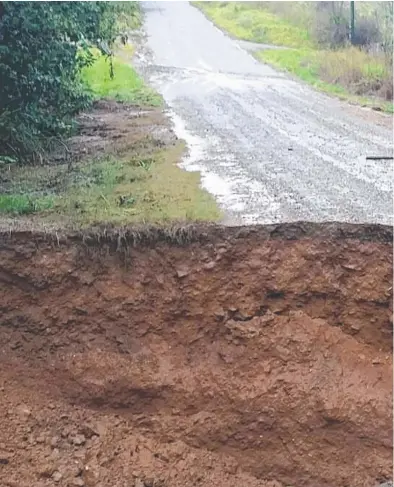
{"points": [[126, 86], [43, 48]]}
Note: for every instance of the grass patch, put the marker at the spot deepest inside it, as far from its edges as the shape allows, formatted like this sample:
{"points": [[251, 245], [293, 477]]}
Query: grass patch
{"points": [[137, 190], [253, 23], [142, 188], [126, 85], [20, 204], [348, 73]]}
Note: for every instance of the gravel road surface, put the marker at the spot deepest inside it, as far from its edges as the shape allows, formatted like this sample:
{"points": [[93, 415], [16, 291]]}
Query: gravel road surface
{"points": [[269, 148]]}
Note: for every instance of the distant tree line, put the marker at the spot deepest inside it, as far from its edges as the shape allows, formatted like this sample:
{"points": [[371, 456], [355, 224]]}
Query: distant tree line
{"points": [[43, 47]]}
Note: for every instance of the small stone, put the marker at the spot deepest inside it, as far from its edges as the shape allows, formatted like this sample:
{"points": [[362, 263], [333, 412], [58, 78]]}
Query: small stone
{"points": [[46, 471], [220, 314], [90, 476], [40, 439], [209, 266], [55, 452], [267, 368], [355, 327], [66, 432], [182, 273], [149, 482], [88, 431], [78, 440], [54, 441], [78, 482], [376, 361], [23, 411], [100, 429], [138, 483], [80, 311], [57, 476], [104, 460]]}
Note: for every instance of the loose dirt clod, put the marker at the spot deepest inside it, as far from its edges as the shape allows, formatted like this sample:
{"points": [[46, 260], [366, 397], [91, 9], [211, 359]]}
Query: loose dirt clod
{"points": [[271, 368]]}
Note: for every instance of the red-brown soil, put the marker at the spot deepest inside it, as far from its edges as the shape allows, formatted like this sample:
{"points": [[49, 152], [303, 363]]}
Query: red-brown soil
{"points": [[204, 356]]}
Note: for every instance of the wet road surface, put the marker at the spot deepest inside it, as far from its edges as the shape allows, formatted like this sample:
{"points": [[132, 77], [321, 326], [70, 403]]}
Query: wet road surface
{"points": [[270, 149]]}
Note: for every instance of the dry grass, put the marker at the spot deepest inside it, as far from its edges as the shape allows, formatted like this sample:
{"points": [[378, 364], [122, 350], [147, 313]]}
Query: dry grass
{"points": [[348, 73], [114, 238], [357, 71]]}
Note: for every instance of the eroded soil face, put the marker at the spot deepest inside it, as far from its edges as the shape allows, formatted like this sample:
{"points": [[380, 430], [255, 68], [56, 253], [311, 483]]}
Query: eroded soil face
{"points": [[252, 357]]}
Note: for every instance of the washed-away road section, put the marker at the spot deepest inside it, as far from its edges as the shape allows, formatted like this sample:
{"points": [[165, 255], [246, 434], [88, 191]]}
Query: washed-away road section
{"points": [[270, 149]]}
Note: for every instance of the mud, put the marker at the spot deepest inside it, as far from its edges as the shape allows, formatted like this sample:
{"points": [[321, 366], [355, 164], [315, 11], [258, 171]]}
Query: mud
{"points": [[112, 127], [199, 356]]}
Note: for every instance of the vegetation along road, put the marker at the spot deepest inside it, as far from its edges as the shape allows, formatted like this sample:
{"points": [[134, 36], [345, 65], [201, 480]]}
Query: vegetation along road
{"points": [[269, 148]]}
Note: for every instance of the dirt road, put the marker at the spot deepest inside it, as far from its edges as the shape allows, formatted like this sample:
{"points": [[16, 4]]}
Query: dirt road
{"points": [[269, 148]]}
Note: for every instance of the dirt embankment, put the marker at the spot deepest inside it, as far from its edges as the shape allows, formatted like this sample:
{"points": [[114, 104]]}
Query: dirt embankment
{"points": [[202, 356]]}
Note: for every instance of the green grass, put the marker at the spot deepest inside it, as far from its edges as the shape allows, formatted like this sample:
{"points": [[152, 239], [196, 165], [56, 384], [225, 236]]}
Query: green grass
{"points": [[303, 63], [126, 85], [20, 204], [347, 73], [136, 190], [125, 189], [134, 183], [341, 73], [252, 23]]}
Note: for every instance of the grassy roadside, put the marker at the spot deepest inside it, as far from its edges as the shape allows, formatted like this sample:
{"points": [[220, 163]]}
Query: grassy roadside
{"points": [[348, 73], [249, 23], [126, 86], [341, 73], [131, 176]]}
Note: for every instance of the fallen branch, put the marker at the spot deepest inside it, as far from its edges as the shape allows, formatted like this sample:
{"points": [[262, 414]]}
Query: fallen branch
{"points": [[378, 158]]}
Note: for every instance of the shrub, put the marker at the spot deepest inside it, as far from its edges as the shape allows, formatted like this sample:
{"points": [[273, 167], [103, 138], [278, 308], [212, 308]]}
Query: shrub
{"points": [[43, 47], [356, 70]]}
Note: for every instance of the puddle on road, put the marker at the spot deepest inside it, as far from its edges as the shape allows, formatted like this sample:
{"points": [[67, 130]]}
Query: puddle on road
{"points": [[232, 194]]}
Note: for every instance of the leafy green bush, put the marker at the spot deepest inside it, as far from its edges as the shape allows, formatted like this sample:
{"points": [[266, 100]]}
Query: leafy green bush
{"points": [[43, 47]]}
